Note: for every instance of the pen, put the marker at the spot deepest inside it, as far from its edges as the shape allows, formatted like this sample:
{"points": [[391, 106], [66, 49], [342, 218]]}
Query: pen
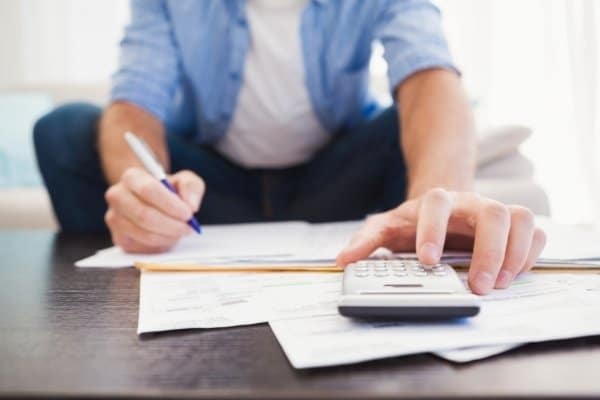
{"points": [[143, 152]]}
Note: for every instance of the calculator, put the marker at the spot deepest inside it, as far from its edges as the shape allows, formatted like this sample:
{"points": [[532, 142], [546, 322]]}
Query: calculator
{"points": [[401, 289]]}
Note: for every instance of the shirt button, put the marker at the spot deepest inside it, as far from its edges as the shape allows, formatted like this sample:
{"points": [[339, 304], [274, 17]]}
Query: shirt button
{"points": [[235, 75]]}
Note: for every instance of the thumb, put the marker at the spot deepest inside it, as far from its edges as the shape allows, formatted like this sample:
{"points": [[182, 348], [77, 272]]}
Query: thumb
{"points": [[190, 188], [380, 230], [362, 245], [355, 251]]}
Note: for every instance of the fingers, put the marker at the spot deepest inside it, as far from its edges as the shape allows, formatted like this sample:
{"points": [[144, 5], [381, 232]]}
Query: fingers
{"points": [[190, 187], [144, 216], [152, 192], [504, 239], [432, 225], [520, 238], [134, 239], [376, 233], [125, 204], [131, 246], [138, 227], [537, 246], [491, 237]]}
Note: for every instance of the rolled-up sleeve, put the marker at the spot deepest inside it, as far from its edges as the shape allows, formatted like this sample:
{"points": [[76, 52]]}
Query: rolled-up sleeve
{"points": [[149, 66], [413, 40]]}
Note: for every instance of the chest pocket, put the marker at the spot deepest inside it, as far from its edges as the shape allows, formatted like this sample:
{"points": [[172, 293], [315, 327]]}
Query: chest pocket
{"points": [[350, 71]]}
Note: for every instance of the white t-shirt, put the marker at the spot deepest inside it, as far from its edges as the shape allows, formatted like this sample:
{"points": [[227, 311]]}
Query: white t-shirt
{"points": [[274, 124]]}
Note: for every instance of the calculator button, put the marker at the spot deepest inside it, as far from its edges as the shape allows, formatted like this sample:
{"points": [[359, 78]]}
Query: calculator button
{"points": [[381, 273], [439, 267], [397, 268], [417, 268], [380, 268], [439, 273], [420, 273], [361, 274], [400, 273]]}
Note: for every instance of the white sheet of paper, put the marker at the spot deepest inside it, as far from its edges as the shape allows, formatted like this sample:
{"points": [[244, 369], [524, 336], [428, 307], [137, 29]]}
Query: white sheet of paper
{"points": [[589, 283], [243, 243], [537, 307], [569, 242], [182, 300], [474, 353], [289, 242]]}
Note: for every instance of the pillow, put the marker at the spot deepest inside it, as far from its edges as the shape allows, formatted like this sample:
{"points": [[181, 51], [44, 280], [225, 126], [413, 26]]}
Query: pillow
{"points": [[512, 165], [497, 142], [18, 114]]}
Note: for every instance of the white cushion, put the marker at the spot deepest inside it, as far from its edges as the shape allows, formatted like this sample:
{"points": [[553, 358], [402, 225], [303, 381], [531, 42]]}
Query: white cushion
{"points": [[497, 142], [26, 208]]}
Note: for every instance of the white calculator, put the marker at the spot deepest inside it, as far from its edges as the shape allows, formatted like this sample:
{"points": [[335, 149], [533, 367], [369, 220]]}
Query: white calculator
{"points": [[400, 289]]}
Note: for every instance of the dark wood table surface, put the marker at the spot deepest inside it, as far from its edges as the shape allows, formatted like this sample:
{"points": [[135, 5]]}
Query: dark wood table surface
{"points": [[69, 332]]}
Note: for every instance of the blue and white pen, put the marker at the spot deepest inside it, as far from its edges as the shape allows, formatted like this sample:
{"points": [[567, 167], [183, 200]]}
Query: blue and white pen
{"points": [[149, 161]]}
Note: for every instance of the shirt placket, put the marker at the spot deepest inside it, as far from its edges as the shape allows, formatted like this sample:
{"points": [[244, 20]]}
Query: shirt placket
{"points": [[239, 41], [312, 35]]}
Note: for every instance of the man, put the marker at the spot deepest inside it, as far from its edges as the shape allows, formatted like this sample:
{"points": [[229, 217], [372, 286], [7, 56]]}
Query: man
{"points": [[268, 118]]}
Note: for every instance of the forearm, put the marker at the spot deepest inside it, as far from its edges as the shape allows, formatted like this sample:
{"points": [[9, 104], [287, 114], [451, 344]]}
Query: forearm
{"points": [[437, 132], [115, 155]]}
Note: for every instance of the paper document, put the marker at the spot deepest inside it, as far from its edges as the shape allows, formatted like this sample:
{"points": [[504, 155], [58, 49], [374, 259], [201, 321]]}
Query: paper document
{"points": [[537, 307], [182, 300], [588, 283], [239, 244], [569, 242], [474, 353]]}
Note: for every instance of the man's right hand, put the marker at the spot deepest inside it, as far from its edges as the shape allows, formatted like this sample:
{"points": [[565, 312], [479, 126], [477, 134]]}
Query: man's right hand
{"points": [[144, 216]]}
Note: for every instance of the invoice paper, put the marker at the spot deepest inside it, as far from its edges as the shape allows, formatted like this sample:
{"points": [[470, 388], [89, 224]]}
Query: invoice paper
{"points": [[537, 307], [182, 300]]}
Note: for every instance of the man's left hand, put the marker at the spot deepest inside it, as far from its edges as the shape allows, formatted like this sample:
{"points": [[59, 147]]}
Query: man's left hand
{"points": [[503, 238]]}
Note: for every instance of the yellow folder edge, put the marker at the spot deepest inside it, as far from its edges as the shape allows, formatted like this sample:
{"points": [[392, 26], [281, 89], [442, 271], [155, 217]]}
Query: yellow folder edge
{"points": [[145, 266], [173, 267]]}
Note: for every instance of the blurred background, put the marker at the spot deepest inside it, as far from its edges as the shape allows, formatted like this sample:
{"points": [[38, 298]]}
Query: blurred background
{"points": [[530, 63]]}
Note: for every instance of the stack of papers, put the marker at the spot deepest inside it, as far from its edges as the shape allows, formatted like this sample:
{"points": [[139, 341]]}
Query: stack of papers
{"points": [[301, 307], [301, 310]]}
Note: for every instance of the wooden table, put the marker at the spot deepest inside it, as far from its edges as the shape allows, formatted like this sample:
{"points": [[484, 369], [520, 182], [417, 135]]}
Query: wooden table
{"points": [[69, 332]]}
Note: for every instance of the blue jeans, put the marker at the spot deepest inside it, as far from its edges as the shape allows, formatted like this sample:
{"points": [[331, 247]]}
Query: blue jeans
{"points": [[360, 171]]}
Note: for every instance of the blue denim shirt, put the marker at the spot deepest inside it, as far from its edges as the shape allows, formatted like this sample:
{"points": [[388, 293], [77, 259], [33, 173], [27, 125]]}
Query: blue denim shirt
{"points": [[183, 60]]}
